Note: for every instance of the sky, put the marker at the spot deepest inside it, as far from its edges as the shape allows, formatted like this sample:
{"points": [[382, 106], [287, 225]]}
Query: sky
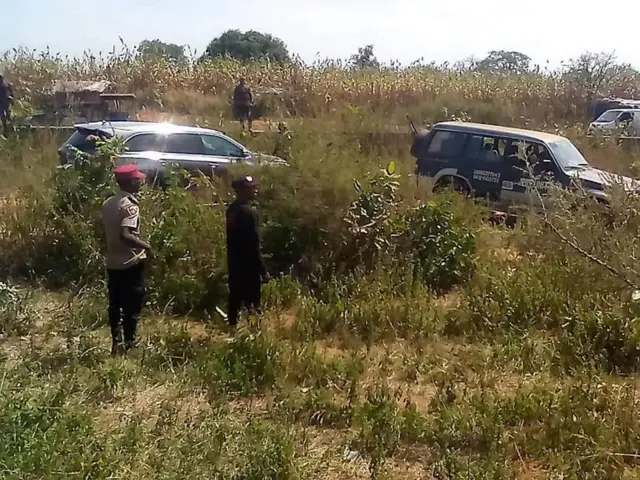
{"points": [[403, 30]]}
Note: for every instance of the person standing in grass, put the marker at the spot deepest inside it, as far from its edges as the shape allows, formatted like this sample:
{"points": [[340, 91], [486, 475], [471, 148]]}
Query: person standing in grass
{"points": [[242, 102], [6, 101], [283, 142], [126, 255], [246, 267]]}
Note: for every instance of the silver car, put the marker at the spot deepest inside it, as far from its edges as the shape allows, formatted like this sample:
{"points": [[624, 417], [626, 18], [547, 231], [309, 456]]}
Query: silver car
{"points": [[618, 120], [152, 146]]}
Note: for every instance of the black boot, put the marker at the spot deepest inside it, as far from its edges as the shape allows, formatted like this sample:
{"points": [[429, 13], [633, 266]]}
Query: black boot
{"points": [[117, 348]]}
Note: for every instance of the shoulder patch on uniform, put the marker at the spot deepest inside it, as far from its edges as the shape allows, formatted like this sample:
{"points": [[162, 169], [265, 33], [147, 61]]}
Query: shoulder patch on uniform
{"points": [[131, 210]]}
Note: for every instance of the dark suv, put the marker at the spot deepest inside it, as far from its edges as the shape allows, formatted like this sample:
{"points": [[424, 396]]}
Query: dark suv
{"points": [[488, 161]]}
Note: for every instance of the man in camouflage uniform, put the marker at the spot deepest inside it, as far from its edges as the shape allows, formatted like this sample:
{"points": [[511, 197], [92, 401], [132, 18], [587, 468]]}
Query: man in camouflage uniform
{"points": [[126, 255]]}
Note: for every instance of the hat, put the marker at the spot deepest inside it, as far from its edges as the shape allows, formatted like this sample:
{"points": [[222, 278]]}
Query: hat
{"points": [[245, 181], [128, 171]]}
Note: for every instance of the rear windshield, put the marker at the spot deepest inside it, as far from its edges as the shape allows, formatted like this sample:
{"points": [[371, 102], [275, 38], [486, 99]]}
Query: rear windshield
{"points": [[83, 141]]}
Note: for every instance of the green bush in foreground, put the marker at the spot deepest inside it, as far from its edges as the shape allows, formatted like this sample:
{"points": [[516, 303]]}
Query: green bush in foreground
{"points": [[186, 229]]}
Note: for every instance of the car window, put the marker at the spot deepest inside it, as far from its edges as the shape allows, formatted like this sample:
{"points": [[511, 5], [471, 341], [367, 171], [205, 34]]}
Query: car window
{"points": [[608, 116], [625, 116], [145, 142], [220, 146], [85, 140], [447, 144], [184, 143], [484, 149]]}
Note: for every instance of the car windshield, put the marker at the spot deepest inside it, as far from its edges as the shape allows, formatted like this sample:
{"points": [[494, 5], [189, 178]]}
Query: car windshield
{"points": [[608, 116], [567, 155]]}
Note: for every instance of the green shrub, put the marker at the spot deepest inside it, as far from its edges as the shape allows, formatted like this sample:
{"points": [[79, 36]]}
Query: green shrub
{"points": [[442, 248], [16, 315]]}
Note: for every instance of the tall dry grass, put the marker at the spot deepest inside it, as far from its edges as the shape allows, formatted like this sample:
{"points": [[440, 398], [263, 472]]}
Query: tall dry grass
{"points": [[327, 88]]}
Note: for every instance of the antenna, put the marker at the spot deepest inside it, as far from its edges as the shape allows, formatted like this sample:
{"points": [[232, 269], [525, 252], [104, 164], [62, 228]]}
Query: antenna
{"points": [[414, 130]]}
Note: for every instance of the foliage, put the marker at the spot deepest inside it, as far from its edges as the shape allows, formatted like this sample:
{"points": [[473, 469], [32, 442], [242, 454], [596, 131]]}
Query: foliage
{"points": [[154, 49], [16, 317], [78, 185], [250, 45], [506, 62], [428, 93], [370, 218], [443, 247], [404, 336], [430, 236], [593, 71], [365, 58]]}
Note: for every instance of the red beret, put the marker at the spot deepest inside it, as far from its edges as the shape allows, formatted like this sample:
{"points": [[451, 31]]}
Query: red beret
{"points": [[129, 170]]}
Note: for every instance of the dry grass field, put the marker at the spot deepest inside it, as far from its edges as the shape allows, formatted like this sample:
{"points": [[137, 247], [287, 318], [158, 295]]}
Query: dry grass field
{"points": [[430, 345]]}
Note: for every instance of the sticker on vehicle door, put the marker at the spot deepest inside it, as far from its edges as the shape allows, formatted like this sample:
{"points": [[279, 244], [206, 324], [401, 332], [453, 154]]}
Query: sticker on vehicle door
{"points": [[486, 176], [529, 183]]}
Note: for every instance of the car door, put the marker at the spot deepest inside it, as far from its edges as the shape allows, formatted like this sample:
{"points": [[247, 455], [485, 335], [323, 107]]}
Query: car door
{"points": [[147, 151], [187, 151], [221, 152], [441, 156], [526, 180], [624, 123], [484, 166]]}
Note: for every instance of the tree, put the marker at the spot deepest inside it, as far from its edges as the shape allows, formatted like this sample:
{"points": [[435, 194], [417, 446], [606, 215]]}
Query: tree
{"points": [[503, 61], [364, 58], [249, 45], [158, 49], [466, 64], [593, 71]]}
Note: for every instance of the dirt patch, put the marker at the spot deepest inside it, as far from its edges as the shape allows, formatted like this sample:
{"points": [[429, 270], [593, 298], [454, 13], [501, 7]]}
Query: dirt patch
{"points": [[329, 349], [328, 453], [448, 301], [532, 471], [251, 406], [150, 402]]}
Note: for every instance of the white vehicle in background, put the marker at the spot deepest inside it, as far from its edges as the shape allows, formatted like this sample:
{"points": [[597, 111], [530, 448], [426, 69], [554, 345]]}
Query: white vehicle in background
{"points": [[624, 121], [152, 146]]}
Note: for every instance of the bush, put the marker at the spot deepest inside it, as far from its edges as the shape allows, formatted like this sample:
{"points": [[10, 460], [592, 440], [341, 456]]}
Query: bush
{"points": [[441, 246], [16, 315]]}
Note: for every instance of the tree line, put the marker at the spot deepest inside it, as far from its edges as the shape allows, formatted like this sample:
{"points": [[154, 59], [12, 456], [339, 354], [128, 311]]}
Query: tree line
{"points": [[253, 45]]}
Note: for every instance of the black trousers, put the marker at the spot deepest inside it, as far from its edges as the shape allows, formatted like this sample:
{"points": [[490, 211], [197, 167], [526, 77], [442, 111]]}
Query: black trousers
{"points": [[126, 298], [5, 115], [242, 112], [244, 291]]}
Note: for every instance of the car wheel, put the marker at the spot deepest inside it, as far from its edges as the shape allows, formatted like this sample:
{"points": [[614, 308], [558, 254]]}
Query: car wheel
{"points": [[454, 183]]}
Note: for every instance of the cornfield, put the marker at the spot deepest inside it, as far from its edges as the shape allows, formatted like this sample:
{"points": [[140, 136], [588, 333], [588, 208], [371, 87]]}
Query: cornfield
{"points": [[328, 87]]}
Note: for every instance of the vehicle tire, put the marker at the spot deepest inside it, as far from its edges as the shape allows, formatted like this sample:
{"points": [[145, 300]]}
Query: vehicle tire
{"points": [[454, 183]]}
